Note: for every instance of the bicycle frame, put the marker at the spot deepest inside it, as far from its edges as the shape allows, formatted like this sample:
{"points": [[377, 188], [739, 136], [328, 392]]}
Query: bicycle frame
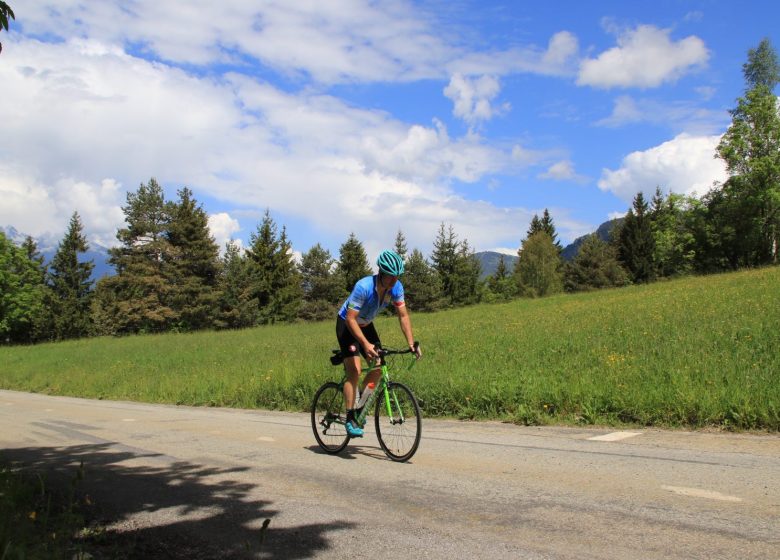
{"points": [[384, 382]]}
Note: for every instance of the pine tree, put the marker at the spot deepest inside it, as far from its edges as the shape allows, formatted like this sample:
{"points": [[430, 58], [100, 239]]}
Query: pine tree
{"points": [[194, 270], [400, 245], [465, 288], [71, 286], [274, 276], [537, 272], [323, 290], [141, 287], [353, 262], [594, 267], [636, 245], [237, 309], [500, 285], [548, 227], [422, 286], [444, 259]]}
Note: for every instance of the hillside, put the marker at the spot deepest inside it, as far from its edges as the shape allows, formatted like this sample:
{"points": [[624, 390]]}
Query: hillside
{"points": [[698, 351]]}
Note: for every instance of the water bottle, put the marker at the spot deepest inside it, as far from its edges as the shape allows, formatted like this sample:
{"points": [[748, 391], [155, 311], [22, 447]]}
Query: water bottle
{"points": [[367, 390]]}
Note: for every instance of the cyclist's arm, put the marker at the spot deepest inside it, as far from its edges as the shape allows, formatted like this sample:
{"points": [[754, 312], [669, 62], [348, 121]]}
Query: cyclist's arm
{"points": [[406, 327], [357, 332]]}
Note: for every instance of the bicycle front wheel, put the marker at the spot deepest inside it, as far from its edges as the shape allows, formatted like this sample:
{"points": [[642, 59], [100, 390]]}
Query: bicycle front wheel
{"points": [[398, 430], [328, 417]]}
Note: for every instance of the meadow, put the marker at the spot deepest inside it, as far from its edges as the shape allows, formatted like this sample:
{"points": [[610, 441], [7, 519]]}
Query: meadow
{"points": [[694, 352]]}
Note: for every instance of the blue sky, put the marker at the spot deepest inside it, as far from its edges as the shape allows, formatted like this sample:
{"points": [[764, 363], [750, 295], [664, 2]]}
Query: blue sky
{"points": [[367, 117]]}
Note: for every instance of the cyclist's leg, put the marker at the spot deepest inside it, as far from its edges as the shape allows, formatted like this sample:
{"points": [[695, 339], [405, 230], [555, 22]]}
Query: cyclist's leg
{"points": [[373, 337], [352, 367]]}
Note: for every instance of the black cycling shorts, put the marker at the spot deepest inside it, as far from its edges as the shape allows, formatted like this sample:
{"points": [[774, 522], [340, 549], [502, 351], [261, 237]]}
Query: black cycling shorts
{"points": [[348, 344]]}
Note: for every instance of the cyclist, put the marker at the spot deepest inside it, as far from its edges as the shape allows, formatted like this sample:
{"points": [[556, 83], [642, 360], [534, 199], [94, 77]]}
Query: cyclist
{"points": [[355, 330]]}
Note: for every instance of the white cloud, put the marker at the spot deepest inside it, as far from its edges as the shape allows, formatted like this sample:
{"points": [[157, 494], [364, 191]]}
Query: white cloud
{"points": [[559, 59], [44, 209], [563, 171], [473, 98], [645, 57], [684, 165], [680, 117], [83, 121], [222, 227], [345, 41]]}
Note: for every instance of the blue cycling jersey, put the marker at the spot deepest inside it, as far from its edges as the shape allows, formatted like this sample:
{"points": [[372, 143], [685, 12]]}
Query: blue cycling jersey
{"points": [[365, 299]]}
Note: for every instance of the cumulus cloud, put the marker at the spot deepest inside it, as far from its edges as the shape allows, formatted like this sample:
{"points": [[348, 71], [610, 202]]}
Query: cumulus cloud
{"points": [[644, 57], [563, 171], [222, 227], [87, 121], [473, 98], [684, 165]]}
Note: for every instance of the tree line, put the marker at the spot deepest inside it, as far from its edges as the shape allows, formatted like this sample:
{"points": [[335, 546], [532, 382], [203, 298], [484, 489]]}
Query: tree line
{"points": [[171, 277]]}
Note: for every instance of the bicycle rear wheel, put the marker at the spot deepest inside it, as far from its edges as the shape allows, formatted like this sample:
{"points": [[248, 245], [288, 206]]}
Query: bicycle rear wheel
{"points": [[328, 417], [398, 432]]}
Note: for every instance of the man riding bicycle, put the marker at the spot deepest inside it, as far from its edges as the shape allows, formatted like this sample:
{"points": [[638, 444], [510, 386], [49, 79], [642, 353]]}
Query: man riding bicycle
{"points": [[355, 329]]}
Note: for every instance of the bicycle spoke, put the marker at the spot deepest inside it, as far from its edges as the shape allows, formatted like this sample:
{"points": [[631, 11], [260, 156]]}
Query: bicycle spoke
{"points": [[399, 430], [327, 418]]}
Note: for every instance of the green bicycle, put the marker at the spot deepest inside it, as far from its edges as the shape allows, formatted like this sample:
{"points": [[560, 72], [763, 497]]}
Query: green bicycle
{"points": [[396, 413]]}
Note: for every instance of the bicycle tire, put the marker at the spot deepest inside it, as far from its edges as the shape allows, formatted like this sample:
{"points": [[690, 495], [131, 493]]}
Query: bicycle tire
{"points": [[328, 416], [399, 434]]}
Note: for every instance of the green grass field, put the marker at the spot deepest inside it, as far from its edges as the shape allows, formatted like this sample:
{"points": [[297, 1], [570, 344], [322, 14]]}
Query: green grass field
{"points": [[694, 352]]}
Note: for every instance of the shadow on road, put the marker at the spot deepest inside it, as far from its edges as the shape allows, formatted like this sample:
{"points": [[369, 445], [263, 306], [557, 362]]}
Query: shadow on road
{"points": [[153, 508]]}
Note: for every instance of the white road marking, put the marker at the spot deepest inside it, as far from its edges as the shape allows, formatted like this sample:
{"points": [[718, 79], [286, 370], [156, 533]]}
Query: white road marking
{"points": [[615, 436], [265, 438], [128, 419], [700, 493]]}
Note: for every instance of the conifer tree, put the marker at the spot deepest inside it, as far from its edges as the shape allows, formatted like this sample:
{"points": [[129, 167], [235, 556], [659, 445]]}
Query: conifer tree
{"points": [[274, 276], [353, 262], [465, 288], [546, 225], [422, 286], [501, 286], [444, 259], [71, 285], [323, 290], [636, 245], [400, 245], [194, 270], [594, 267], [537, 271], [141, 288], [237, 309]]}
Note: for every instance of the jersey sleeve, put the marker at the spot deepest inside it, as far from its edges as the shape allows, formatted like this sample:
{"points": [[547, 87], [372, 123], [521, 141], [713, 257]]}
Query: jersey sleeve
{"points": [[397, 294]]}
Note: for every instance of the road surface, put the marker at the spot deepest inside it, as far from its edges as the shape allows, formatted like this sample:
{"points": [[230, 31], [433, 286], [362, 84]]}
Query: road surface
{"points": [[181, 482]]}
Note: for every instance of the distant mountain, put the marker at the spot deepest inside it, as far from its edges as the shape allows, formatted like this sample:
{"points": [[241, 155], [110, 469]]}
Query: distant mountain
{"points": [[489, 260], [47, 245], [603, 231]]}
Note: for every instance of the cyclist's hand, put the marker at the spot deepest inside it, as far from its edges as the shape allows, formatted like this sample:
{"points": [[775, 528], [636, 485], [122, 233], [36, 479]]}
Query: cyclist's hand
{"points": [[415, 348], [371, 352]]}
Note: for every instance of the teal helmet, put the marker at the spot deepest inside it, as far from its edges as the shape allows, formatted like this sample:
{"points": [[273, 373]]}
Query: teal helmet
{"points": [[391, 263]]}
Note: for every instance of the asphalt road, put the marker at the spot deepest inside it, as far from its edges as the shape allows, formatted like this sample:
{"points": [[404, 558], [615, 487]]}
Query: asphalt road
{"points": [[182, 482]]}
